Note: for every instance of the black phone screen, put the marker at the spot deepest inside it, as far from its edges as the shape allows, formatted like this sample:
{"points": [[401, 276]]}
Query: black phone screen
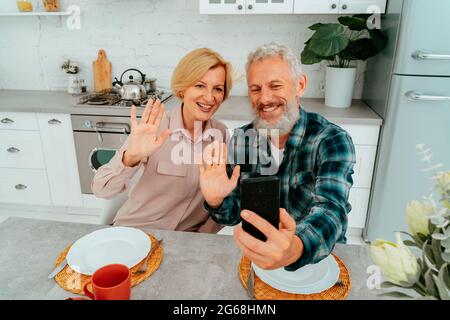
{"points": [[262, 196]]}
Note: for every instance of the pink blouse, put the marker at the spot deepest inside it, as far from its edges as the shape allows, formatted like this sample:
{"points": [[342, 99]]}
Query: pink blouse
{"points": [[167, 196]]}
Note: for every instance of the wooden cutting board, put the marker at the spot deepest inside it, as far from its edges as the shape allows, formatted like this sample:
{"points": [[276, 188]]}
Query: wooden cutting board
{"points": [[102, 72]]}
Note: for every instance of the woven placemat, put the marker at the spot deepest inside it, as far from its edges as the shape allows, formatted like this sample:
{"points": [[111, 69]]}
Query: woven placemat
{"points": [[73, 281], [263, 291]]}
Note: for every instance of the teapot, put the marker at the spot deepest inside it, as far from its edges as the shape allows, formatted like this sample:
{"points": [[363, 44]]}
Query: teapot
{"points": [[132, 89]]}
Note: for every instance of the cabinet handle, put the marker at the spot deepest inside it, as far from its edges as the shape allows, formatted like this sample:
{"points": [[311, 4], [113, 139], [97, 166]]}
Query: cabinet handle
{"points": [[344, 7], [420, 55], [413, 95], [7, 120], [20, 186], [54, 121], [13, 150], [250, 7], [240, 7]]}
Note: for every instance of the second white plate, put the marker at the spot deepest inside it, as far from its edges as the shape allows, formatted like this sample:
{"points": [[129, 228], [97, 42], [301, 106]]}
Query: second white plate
{"points": [[309, 279]]}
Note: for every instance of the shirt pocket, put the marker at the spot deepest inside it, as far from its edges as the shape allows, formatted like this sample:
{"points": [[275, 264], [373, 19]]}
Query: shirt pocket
{"points": [[172, 178], [170, 169], [301, 191]]}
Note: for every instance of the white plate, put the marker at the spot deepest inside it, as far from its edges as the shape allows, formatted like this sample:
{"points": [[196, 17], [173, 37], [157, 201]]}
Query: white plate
{"points": [[309, 279], [122, 245]]}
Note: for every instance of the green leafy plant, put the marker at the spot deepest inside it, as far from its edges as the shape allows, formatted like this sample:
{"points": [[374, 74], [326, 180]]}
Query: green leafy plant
{"points": [[353, 38], [70, 67], [429, 229]]}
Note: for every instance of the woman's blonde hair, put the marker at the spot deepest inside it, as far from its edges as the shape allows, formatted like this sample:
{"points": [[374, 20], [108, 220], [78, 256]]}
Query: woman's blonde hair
{"points": [[193, 66]]}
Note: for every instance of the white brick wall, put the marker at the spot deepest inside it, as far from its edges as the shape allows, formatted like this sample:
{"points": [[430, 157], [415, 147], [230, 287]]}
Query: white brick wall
{"points": [[151, 35]]}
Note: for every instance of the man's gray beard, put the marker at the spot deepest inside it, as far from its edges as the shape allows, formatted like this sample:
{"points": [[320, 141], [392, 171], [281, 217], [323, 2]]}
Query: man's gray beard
{"points": [[284, 124]]}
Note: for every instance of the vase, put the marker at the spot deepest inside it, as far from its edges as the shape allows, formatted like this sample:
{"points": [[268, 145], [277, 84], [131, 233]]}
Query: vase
{"points": [[73, 84], [339, 87]]}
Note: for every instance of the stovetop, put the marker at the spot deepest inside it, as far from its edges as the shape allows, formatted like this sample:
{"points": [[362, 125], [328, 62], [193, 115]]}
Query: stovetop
{"points": [[109, 98]]}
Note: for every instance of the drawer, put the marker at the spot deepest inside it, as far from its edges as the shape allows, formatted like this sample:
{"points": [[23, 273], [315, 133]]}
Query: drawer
{"points": [[18, 121], [359, 199], [365, 160], [362, 134], [27, 186], [21, 149]]}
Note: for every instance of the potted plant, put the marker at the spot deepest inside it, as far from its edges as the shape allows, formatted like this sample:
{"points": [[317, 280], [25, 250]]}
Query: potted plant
{"points": [[72, 69], [341, 44]]}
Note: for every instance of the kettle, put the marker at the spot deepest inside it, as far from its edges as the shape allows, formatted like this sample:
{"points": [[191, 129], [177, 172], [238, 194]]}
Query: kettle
{"points": [[131, 90]]}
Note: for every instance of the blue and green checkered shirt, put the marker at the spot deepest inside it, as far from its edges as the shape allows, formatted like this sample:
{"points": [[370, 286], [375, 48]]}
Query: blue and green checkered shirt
{"points": [[315, 180]]}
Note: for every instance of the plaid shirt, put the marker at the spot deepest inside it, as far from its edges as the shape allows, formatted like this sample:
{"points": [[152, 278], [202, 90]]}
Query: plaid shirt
{"points": [[315, 180]]}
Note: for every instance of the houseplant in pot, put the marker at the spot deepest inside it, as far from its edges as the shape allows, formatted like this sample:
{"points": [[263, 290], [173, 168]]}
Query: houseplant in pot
{"points": [[341, 45], [71, 68]]}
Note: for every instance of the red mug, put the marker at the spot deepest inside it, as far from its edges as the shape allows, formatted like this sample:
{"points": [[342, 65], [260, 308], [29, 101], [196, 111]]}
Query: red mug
{"points": [[111, 282]]}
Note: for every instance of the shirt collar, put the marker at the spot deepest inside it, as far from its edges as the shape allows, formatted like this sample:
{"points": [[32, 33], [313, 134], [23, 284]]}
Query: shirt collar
{"points": [[298, 131], [176, 126]]}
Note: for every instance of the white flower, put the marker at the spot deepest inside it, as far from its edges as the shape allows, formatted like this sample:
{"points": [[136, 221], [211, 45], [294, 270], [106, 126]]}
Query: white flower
{"points": [[443, 182], [417, 216], [396, 261]]}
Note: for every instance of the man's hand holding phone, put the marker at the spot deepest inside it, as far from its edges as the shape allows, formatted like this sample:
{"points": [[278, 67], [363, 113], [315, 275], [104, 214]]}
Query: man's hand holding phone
{"points": [[282, 246]]}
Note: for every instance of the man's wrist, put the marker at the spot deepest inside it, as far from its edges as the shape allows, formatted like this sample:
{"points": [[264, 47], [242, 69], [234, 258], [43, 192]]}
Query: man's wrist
{"points": [[298, 248]]}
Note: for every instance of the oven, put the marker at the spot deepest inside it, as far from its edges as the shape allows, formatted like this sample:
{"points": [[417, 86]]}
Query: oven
{"points": [[97, 138]]}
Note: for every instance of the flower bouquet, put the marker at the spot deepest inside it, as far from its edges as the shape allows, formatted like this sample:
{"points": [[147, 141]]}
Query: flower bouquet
{"points": [[429, 228]]}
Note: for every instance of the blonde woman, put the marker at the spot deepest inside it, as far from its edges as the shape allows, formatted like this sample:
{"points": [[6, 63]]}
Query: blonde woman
{"points": [[168, 196]]}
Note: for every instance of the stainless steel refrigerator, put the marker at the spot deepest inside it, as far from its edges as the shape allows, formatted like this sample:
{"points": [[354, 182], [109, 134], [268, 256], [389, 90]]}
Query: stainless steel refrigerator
{"points": [[408, 85]]}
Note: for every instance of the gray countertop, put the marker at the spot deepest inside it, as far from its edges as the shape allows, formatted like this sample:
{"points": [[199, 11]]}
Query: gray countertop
{"points": [[234, 108], [195, 266]]}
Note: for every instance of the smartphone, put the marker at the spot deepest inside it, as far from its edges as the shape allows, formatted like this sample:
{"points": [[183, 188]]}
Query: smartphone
{"points": [[262, 196]]}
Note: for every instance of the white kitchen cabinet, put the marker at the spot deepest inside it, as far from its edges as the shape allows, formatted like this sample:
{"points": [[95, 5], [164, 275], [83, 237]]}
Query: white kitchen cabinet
{"points": [[24, 186], [362, 6], [246, 6], [18, 121], [339, 6], [21, 149], [359, 200], [60, 159], [365, 160], [316, 6]]}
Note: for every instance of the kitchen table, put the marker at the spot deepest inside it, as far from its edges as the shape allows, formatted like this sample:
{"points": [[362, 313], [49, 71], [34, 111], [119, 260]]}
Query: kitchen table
{"points": [[195, 266]]}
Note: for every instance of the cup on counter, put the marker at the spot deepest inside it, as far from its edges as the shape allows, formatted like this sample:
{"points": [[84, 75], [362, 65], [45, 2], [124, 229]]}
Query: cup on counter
{"points": [[111, 282]]}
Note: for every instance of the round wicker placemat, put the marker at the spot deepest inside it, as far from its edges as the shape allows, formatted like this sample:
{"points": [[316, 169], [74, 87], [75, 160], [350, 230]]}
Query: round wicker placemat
{"points": [[73, 281], [263, 291]]}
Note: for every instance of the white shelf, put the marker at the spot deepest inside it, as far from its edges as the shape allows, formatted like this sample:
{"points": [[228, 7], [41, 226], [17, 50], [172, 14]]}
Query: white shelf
{"points": [[16, 14]]}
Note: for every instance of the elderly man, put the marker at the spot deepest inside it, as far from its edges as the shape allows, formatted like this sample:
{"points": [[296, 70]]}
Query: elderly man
{"points": [[313, 160]]}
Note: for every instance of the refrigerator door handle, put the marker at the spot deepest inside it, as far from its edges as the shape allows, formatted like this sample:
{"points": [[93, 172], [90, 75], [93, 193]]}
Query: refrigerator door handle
{"points": [[421, 55], [414, 95]]}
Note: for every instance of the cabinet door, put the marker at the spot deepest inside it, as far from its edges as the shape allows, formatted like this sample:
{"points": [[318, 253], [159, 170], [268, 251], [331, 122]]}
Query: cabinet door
{"points": [[24, 186], [21, 149], [60, 159], [362, 6], [316, 6], [222, 6], [269, 6], [359, 200], [365, 160], [18, 121]]}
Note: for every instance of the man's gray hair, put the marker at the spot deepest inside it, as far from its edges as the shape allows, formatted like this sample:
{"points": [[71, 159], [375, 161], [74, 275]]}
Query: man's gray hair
{"points": [[272, 50]]}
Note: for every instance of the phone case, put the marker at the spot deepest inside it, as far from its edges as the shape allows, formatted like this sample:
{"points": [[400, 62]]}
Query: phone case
{"points": [[262, 196]]}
